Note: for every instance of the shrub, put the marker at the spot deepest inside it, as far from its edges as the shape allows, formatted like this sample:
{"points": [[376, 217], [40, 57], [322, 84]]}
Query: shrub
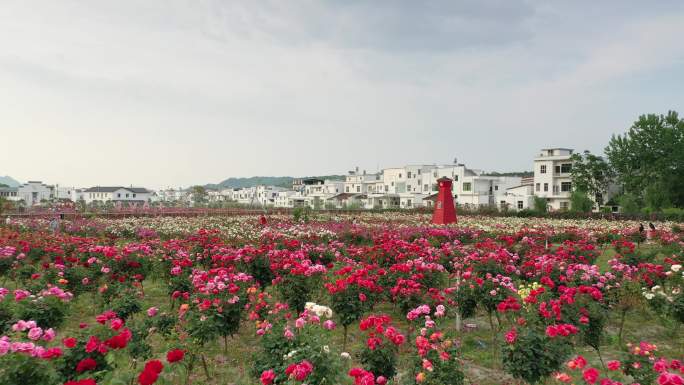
{"points": [[540, 205], [534, 356]]}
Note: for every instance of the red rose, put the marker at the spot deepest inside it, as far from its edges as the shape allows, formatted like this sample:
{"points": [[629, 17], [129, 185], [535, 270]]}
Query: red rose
{"points": [[267, 377], [175, 355], [613, 365], [86, 364], [69, 342], [154, 366], [147, 377], [590, 375]]}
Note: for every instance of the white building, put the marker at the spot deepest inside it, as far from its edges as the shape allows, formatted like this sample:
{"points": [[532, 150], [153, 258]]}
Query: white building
{"points": [[117, 194], [35, 192], [172, 195], [10, 193], [552, 178]]}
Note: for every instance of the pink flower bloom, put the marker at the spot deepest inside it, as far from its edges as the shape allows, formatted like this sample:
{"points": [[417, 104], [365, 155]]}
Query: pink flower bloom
{"points": [[151, 312], [590, 375], [329, 324], [35, 333], [613, 365], [670, 379], [49, 335]]}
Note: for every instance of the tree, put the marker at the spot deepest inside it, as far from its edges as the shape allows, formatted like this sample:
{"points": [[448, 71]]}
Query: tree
{"points": [[591, 174], [540, 204], [199, 195], [649, 159], [580, 202], [628, 204]]}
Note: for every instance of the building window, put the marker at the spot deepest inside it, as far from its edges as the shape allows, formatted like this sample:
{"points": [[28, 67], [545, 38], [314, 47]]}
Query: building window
{"points": [[434, 187], [542, 169], [434, 174], [566, 186], [399, 175], [418, 171], [537, 187], [425, 187], [358, 189], [408, 175], [555, 189], [558, 170], [520, 205], [466, 186], [496, 188], [456, 178], [346, 189], [564, 206], [566, 167], [133, 195], [546, 187], [118, 195]]}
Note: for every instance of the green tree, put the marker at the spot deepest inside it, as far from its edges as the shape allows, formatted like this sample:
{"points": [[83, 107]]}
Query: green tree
{"points": [[540, 204], [580, 202], [649, 159], [199, 195], [628, 203], [591, 174]]}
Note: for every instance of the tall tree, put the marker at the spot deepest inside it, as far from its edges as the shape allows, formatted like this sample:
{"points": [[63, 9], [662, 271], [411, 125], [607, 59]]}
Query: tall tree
{"points": [[649, 159], [199, 195], [592, 175]]}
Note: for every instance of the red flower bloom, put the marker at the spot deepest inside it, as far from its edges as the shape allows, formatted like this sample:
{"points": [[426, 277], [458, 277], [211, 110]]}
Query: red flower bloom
{"points": [[69, 342], [154, 366], [267, 377], [147, 377], [590, 375], [86, 364], [175, 355]]}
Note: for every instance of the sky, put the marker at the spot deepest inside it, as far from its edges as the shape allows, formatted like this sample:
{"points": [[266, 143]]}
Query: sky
{"points": [[160, 93]]}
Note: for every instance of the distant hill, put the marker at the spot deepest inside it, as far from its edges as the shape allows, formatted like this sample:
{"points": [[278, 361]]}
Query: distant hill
{"points": [[8, 180], [280, 181]]}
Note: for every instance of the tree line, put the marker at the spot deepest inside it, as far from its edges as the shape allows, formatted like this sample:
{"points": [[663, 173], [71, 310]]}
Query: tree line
{"points": [[644, 166]]}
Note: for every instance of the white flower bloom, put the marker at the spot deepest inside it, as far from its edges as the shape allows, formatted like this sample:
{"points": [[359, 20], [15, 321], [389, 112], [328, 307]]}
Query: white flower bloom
{"points": [[345, 355], [676, 268]]}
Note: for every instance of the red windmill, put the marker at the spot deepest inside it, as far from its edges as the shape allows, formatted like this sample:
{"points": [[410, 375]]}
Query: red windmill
{"points": [[445, 212]]}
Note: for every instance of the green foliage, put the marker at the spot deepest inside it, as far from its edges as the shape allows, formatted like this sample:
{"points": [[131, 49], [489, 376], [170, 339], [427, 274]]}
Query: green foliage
{"points": [[382, 361], [591, 174], [580, 202], [540, 205], [199, 195], [444, 372], [297, 290], [125, 305], [628, 203], [21, 369], [301, 214], [48, 312], [533, 356], [310, 343], [650, 157]]}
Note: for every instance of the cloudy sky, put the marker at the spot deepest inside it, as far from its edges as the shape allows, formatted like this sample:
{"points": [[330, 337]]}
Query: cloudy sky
{"points": [[165, 92]]}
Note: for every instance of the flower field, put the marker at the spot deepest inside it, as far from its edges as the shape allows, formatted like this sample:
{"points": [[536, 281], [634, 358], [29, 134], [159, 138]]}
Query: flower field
{"points": [[375, 298]]}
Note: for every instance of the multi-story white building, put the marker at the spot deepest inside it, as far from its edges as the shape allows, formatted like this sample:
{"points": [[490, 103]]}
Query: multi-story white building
{"points": [[552, 178], [117, 194], [35, 192]]}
